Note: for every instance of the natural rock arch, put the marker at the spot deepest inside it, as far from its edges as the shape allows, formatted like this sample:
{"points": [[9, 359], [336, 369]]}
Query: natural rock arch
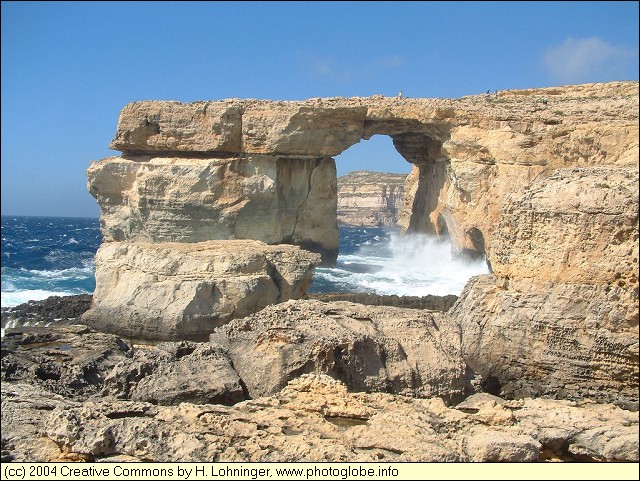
{"points": [[205, 176]]}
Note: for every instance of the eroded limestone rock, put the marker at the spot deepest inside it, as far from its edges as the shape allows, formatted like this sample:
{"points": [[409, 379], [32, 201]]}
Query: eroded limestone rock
{"points": [[72, 361], [183, 291], [370, 198], [315, 418], [171, 373], [267, 198], [370, 348], [567, 341]]}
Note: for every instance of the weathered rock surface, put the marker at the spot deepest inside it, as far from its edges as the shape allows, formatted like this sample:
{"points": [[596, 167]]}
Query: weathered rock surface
{"points": [[183, 291], [251, 169], [577, 226], [314, 418], [568, 341], [65, 309], [171, 373], [370, 198], [507, 141], [469, 153], [382, 349], [317, 128], [261, 197], [561, 317], [72, 361]]}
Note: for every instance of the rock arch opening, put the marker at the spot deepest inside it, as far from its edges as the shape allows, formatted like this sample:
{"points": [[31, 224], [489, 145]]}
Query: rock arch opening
{"points": [[378, 258]]}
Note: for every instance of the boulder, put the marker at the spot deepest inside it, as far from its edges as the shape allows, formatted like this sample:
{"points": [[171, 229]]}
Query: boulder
{"points": [[174, 291], [370, 348], [175, 372]]}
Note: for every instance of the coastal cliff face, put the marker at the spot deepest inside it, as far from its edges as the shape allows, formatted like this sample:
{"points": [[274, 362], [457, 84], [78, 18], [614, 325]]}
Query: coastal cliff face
{"points": [[370, 199], [541, 181], [560, 316]]}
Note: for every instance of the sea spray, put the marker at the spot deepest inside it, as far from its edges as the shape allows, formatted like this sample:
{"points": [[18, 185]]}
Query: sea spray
{"points": [[388, 263]]}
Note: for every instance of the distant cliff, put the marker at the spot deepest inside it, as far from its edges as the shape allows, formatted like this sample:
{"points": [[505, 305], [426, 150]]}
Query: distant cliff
{"points": [[370, 198]]}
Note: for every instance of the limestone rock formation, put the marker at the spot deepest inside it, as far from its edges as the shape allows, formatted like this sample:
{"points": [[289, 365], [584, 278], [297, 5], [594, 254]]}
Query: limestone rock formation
{"points": [[541, 181], [469, 153], [370, 198], [171, 373], [560, 318], [72, 361], [370, 348], [506, 141], [183, 291], [267, 198], [314, 418]]}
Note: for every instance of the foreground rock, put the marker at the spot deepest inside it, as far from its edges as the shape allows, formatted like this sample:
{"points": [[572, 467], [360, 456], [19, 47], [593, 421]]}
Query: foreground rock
{"points": [[172, 373], [314, 418], [183, 291], [381, 349], [52, 309], [370, 199], [72, 361]]}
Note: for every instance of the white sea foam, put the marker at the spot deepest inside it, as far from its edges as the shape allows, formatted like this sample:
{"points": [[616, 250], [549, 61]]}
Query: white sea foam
{"points": [[414, 265], [61, 274], [11, 299]]}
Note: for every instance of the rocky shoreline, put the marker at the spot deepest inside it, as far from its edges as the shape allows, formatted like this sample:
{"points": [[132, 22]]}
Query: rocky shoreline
{"points": [[200, 343], [281, 392]]}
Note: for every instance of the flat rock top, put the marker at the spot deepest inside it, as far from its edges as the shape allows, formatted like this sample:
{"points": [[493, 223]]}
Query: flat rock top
{"points": [[579, 101]]}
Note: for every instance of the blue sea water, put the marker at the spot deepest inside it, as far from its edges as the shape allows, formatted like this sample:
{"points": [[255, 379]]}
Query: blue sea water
{"points": [[46, 256]]}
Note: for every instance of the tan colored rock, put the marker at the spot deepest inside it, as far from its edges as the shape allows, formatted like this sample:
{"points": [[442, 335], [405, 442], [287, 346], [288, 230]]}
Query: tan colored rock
{"points": [[470, 153], [507, 141], [267, 198], [316, 129], [370, 198], [568, 341], [177, 127], [370, 348], [171, 373], [565, 254], [316, 419], [183, 291], [297, 128], [577, 226]]}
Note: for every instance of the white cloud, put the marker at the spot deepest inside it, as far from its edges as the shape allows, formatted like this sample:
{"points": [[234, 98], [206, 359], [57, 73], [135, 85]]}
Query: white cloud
{"points": [[587, 60]]}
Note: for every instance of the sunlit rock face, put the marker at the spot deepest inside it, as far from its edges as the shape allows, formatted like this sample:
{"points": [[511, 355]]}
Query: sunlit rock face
{"points": [[272, 199], [560, 316], [184, 290], [538, 181]]}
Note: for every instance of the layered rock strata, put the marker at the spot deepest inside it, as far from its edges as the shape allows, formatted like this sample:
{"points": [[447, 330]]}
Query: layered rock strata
{"points": [[468, 153], [273, 199], [185, 290], [541, 181], [560, 316], [371, 199]]}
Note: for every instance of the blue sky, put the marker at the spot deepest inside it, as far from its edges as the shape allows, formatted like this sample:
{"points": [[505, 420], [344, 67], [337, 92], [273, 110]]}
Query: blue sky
{"points": [[68, 68]]}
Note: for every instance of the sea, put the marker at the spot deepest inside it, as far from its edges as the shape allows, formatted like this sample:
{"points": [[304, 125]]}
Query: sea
{"points": [[54, 256]]}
